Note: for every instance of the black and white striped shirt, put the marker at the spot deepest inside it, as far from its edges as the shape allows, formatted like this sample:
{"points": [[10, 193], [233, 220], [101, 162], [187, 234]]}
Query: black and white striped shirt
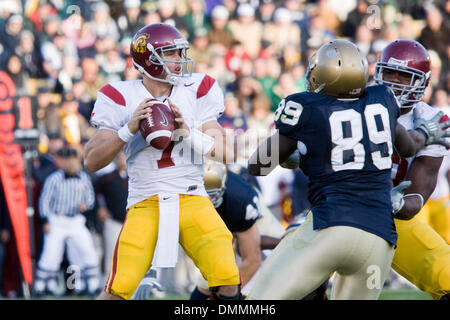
{"points": [[62, 195]]}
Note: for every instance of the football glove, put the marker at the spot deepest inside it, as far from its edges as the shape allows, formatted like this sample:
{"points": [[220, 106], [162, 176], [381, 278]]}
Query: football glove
{"points": [[397, 196], [435, 132], [293, 161], [148, 287]]}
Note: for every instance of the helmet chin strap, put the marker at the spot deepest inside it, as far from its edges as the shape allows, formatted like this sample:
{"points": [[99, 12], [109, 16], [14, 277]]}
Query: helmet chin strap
{"points": [[169, 79]]}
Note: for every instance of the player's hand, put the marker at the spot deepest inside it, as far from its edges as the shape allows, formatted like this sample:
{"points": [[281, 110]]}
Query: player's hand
{"points": [[397, 196], [82, 207], [293, 161], [435, 132], [149, 286], [182, 129], [143, 111], [103, 214], [46, 228]]}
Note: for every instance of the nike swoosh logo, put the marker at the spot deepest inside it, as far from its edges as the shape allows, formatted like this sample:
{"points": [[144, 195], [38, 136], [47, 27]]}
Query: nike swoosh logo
{"points": [[165, 198], [165, 122], [188, 85]]}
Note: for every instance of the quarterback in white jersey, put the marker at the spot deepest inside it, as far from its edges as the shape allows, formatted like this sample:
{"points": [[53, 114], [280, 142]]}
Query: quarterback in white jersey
{"points": [[167, 203], [422, 255], [152, 171]]}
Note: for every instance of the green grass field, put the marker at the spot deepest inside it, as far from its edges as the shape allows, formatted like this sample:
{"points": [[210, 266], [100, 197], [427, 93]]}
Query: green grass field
{"points": [[387, 294]]}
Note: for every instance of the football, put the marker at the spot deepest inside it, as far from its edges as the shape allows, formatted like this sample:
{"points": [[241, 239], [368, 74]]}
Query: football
{"points": [[157, 129]]}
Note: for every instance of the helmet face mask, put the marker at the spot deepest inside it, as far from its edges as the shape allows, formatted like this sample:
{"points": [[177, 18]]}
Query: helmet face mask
{"points": [[149, 49], [214, 179], [407, 57], [216, 196]]}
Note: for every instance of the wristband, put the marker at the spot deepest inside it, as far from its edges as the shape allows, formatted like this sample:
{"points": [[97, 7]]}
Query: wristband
{"points": [[125, 134], [200, 142], [423, 132]]}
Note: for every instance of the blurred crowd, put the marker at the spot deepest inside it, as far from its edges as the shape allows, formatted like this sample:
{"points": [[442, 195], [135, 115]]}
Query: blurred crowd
{"points": [[61, 52]]}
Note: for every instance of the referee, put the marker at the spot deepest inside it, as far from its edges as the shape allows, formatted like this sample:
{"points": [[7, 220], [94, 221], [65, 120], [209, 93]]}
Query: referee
{"points": [[66, 194]]}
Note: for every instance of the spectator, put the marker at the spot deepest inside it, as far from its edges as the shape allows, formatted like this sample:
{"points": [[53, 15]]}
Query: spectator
{"points": [[220, 32], [52, 25], [53, 52], [48, 162], [363, 38], [235, 56], [233, 117], [15, 70], [441, 100], [218, 69], [317, 34], [200, 51], [248, 90], [103, 25], [75, 127], [265, 11], [330, 18], [30, 56], [168, 14], [48, 114], [354, 18], [247, 30], [436, 34], [130, 21], [10, 32], [196, 18], [267, 82], [261, 120], [69, 73], [92, 82], [281, 31]]}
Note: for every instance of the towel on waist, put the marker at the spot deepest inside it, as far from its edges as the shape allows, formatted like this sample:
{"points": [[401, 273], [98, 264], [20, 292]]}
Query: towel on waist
{"points": [[166, 250]]}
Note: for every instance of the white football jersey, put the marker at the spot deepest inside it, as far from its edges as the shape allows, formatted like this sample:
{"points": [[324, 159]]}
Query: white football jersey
{"points": [[401, 165], [151, 171]]}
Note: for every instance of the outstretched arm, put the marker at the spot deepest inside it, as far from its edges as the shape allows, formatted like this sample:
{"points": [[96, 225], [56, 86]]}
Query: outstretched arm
{"points": [[271, 152], [423, 174]]}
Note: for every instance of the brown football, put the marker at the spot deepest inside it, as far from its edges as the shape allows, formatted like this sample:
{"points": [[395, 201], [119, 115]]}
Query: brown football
{"points": [[157, 129]]}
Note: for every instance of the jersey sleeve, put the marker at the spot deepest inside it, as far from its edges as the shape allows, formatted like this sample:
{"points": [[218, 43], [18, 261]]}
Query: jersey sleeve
{"points": [[248, 213], [210, 100], [107, 114], [290, 117]]}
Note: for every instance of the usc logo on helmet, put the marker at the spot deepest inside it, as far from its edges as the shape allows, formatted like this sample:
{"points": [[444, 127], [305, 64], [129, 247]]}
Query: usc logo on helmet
{"points": [[140, 44]]}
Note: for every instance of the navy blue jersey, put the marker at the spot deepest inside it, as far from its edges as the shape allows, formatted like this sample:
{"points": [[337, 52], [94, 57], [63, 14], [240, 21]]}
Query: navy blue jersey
{"points": [[349, 144], [239, 208]]}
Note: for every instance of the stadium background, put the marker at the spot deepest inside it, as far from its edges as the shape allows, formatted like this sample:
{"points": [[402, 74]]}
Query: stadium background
{"points": [[56, 54]]}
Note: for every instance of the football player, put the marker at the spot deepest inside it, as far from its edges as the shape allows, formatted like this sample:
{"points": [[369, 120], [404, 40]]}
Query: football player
{"points": [[239, 206], [422, 255], [346, 133], [167, 203]]}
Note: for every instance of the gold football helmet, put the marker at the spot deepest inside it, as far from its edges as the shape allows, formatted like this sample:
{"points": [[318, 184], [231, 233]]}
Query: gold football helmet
{"points": [[214, 178], [337, 69]]}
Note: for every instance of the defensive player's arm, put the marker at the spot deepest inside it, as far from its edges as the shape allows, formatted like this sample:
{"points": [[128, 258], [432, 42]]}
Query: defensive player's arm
{"points": [[271, 152], [249, 248], [269, 242], [408, 143], [423, 174], [105, 145]]}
